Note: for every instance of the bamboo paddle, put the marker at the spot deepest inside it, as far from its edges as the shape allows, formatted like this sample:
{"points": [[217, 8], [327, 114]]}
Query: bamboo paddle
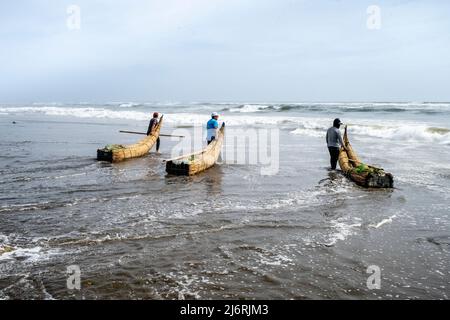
{"points": [[143, 133]]}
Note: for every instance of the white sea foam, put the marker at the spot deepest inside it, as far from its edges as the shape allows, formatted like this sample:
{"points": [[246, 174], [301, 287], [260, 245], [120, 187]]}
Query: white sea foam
{"points": [[274, 260], [3, 238], [306, 126], [415, 107], [29, 254], [88, 112], [250, 108], [129, 105], [382, 222], [171, 118], [342, 230], [401, 131], [406, 132], [308, 132]]}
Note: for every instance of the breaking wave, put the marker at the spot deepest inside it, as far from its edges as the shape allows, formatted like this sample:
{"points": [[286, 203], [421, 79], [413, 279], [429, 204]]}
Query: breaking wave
{"points": [[417, 108], [308, 126], [82, 112], [398, 131]]}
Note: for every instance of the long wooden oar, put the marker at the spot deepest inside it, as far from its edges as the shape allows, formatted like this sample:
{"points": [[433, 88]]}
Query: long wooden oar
{"points": [[143, 133], [184, 156]]}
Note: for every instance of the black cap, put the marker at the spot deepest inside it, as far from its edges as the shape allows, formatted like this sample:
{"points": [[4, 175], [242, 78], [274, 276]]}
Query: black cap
{"points": [[337, 122]]}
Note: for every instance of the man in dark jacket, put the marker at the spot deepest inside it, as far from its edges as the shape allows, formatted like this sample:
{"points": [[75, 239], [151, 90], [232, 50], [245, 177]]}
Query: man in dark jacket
{"points": [[334, 142], [151, 126]]}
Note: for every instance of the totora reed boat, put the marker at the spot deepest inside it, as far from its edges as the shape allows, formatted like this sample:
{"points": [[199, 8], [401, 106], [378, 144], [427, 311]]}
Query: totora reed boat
{"points": [[117, 153], [188, 165], [362, 174]]}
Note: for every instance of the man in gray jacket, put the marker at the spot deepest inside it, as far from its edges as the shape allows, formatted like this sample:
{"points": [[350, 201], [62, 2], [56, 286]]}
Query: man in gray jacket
{"points": [[334, 142]]}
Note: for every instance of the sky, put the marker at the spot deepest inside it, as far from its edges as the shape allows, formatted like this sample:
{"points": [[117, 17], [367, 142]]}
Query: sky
{"points": [[224, 50]]}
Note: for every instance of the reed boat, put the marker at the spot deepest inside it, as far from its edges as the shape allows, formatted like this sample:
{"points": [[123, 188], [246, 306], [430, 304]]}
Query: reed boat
{"points": [[362, 174], [191, 164], [117, 152]]}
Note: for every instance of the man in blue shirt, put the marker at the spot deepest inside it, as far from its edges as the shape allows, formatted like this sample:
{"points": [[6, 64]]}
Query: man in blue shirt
{"points": [[211, 127]]}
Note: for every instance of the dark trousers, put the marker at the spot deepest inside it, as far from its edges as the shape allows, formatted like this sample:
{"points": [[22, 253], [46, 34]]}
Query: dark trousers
{"points": [[157, 144], [212, 139], [334, 156]]}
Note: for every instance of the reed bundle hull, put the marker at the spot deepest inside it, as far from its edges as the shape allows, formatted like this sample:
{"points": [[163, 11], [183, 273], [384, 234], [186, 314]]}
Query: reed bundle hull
{"points": [[193, 164], [369, 176], [141, 148]]}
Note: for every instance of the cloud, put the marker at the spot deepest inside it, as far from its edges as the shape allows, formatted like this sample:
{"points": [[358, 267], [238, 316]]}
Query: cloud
{"points": [[223, 50]]}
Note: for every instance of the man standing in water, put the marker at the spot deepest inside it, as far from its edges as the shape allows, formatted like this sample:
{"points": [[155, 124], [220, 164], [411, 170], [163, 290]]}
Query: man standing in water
{"points": [[212, 127], [334, 141], [152, 125]]}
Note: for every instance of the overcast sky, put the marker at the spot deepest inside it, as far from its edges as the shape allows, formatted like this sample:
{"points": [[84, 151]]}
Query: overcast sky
{"points": [[224, 50]]}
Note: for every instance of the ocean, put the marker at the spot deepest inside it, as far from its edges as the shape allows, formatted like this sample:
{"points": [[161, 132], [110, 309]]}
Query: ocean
{"points": [[269, 221]]}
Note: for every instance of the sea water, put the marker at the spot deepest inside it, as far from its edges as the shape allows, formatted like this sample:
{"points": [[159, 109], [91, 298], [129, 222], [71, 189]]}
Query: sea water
{"points": [[235, 231]]}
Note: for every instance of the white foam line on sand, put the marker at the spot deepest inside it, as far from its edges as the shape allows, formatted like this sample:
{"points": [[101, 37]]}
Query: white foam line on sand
{"points": [[382, 222]]}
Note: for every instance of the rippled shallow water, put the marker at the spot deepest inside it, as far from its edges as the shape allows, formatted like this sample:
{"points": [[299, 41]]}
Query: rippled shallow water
{"points": [[228, 233]]}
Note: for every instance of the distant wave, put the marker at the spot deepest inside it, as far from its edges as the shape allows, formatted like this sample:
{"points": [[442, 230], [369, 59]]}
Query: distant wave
{"points": [[393, 129], [129, 105], [424, 108], [249, 108], [414, 108], [177, 119], [79, 112]]}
